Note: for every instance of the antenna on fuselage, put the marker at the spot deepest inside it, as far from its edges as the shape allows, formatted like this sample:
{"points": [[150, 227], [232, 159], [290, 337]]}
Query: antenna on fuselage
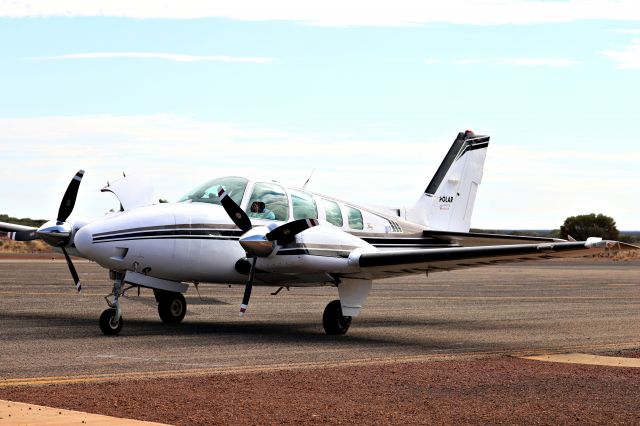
{"points": [[308, 179]]}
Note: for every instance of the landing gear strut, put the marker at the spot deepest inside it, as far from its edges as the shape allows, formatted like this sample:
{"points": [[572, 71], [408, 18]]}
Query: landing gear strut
{"points": [[172, 307], [111, 319], [333, 321]]}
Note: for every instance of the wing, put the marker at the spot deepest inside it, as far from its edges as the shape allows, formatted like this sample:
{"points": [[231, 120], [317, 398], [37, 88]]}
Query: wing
{"points": [[385, 264], [471, 239]]}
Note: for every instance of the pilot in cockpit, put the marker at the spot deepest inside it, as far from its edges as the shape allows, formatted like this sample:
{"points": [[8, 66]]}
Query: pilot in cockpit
{"points": [[259, 210]]}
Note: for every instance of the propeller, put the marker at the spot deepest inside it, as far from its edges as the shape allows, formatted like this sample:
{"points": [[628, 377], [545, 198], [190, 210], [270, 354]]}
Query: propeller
{"points": [[260, 241], [58, 232]]}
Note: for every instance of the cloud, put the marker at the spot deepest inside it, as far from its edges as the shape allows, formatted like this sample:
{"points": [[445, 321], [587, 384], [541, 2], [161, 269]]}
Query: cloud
{"points": [[178, 152], [534, 62], [155, 55], [338, 13], [524, 61], [524, 185], [628, 57], [627, 31]]}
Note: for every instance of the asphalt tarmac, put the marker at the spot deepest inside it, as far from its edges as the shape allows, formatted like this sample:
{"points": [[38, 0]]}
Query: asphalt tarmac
{"points": [[47, 330]]}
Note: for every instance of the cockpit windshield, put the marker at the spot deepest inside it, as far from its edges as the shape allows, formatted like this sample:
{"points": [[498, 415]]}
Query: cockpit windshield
{"points": [[208, 192]]}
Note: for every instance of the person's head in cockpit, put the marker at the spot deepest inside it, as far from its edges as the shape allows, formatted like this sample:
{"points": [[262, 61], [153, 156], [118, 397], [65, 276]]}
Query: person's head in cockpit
{"points": [[259, 210], [257, 207]]}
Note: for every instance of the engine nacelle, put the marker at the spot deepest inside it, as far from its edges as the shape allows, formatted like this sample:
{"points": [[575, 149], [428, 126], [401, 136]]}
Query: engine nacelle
{"points": [[323, 248]]}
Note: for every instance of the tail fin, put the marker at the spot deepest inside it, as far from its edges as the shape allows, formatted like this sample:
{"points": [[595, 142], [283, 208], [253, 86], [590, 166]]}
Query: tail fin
{"points": [[447, 203]]}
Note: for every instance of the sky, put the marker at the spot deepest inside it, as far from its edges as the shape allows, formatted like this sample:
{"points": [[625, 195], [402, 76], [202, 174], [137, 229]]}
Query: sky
{"points": [[370, 95]]}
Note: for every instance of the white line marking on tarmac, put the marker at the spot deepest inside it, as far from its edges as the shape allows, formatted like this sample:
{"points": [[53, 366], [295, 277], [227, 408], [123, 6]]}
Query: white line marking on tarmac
{"points": [[586, 359]]}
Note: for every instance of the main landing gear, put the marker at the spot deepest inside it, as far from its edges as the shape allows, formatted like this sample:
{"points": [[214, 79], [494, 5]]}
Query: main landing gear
{"points": [[172, 307], [333, 321]]}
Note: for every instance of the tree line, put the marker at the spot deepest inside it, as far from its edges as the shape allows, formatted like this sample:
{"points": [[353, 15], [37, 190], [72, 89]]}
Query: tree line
{"points": [[22, 221]]}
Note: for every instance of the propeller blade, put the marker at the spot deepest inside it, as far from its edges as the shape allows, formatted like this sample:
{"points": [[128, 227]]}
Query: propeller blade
{"points": [[12, 227], [286, 233], [72, 269], [69, 199], [248, 287], [237, 215], [23, 235]]}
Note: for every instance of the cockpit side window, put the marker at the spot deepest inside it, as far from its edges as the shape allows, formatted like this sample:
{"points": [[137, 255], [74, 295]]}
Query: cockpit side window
{"points": [[269, 202], [208, 192], [332, 212], [304, 206], [355, 218]]}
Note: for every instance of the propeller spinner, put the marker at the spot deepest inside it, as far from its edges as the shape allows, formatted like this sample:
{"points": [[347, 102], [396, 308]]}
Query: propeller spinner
{"points": [[260, 241]]}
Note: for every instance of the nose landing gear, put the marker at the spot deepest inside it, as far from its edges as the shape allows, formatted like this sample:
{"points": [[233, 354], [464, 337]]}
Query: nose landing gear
{"points": [[111, 319], [109, 325]]}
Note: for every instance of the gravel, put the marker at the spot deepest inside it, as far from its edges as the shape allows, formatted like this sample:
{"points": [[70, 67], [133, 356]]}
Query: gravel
{"points": [[492, 390]]}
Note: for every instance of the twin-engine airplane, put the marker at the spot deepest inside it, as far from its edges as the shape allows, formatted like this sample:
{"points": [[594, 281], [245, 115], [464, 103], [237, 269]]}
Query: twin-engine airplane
{"points": [[232, 230]]}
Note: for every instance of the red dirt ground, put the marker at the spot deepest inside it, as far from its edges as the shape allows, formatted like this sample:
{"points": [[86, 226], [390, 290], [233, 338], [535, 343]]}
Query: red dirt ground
{"points": [[494, 390]]}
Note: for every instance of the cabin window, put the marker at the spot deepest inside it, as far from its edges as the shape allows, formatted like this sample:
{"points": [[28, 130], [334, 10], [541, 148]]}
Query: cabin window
{"points": [[355, 218], [332, 212], [304, 206], [208, 192], [276, 205]]}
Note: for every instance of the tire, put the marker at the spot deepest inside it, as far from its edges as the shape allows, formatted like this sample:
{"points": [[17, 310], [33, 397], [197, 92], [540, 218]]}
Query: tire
{"points": [[333, 321], [107, 324], [172, 309]]}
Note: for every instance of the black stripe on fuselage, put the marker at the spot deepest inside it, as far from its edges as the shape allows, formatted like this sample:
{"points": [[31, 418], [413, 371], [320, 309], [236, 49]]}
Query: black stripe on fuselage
{"points": [[201, 226], [170, 233], [218, 233], [170, 237]]}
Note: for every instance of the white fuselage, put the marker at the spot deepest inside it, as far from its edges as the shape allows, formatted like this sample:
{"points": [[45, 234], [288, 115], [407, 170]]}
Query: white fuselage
{"points": [[197, 241], [180, 242]]}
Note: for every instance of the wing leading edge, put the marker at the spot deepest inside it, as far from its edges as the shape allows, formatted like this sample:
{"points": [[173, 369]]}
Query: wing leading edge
{"points": [[393, 263]]}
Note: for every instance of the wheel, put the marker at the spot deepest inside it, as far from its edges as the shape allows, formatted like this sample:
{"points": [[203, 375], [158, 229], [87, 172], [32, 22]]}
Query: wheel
{"points": [[108, 324], [333, 321], [172, 308]]}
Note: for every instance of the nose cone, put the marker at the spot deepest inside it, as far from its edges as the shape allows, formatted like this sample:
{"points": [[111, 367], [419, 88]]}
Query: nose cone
{"points": [[54, 232], [255, 242]]}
